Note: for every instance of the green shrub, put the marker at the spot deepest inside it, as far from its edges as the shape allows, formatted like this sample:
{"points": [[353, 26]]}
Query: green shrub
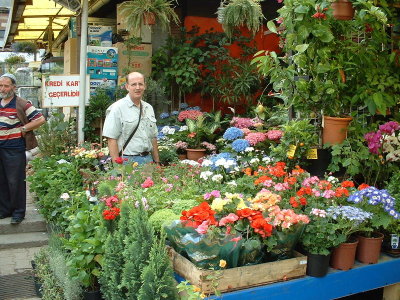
{"points": [[162, 216]]}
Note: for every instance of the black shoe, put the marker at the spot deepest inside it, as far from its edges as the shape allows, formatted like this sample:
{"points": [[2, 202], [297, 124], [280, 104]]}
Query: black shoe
{"points": [[3, 216], [16, 220]]}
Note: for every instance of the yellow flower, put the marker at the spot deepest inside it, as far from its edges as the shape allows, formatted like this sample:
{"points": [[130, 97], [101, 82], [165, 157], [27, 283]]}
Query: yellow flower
{"points": [[202, 296], [196, 288], [135, 164], [241, 205], [222, 263], [218, 204]]}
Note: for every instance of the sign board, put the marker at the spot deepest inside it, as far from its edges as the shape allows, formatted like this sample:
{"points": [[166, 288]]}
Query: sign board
{"points": [[102, 62], [62, 90]]}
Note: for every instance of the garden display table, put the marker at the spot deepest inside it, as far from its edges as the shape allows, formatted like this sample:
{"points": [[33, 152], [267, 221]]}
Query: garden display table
{"points": [[386, 273]]}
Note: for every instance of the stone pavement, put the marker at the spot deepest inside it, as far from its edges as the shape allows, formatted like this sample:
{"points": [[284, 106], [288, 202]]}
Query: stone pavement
{"points": [[18, 245]]}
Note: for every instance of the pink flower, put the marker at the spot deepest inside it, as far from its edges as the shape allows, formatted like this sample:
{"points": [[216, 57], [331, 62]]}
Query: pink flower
{"points": [[318, 212], [281, 186], [120, 186], [310, 181], [202, 228], [274, 135], [328, 194], [231, 218], [147, 183], [164, 179], [214, 193], [169, 187], [255, 137], [244, 122], [189, 114]]}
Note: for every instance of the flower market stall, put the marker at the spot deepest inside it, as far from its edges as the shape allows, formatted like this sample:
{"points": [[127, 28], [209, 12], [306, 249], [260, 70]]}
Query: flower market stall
{"points": [[268, 205]]}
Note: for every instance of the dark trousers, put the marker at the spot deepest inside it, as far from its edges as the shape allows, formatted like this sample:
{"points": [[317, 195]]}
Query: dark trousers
{"points": [[12, 182]]}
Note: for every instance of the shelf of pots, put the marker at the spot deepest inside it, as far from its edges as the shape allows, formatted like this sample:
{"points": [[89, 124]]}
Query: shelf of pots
{"points": [[328, 66]]}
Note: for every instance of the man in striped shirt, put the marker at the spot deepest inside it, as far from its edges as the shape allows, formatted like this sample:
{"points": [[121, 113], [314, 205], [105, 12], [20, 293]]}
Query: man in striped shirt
{"points": [[12, 148]]}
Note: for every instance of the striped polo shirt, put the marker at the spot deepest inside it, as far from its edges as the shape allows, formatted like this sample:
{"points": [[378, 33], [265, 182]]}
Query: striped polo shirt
{"points": [[10, 132]]}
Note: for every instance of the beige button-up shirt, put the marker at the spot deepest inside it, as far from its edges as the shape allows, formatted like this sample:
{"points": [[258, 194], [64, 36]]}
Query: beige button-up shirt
{"points": [[121, 119]]}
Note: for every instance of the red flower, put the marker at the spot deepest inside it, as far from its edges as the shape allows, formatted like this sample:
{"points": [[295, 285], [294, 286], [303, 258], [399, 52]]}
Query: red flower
{"points": [[362, 186], [111, 214], [347, 184], [341, 191], [261, 227], [198, 214], [120, 160], [319, 15]]}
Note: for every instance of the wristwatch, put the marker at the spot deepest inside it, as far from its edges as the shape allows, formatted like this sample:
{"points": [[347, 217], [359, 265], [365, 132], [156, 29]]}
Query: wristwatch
{"points": [[23, 129]]}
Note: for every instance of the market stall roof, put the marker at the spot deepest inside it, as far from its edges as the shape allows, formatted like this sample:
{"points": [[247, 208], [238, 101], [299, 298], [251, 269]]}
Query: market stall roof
{"points": [[40, 18]]}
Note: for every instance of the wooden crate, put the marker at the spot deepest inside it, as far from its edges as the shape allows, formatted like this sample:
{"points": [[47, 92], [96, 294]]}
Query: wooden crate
{"points": [[241, 277]]}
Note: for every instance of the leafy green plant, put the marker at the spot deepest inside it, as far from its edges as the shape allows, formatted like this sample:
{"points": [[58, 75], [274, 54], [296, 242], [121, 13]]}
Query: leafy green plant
{"points": [[236, 13], [29, 47], [96, 112], [167, 155], [134, 12], [56, 135], [85, 243]]}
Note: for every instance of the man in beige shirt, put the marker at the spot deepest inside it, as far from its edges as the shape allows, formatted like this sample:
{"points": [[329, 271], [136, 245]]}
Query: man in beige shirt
{"points": [[123, 117]]}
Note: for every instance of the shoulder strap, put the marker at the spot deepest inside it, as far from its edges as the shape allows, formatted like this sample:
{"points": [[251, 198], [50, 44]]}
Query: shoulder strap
{"points": [[133, 131]]}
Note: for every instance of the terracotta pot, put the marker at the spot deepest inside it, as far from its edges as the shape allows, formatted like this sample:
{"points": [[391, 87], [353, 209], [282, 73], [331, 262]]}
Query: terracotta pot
{"points": [[195, 154], [317, 265], [182, 156], [369, 248], [335, 130], [149, 18], [343, 256], [343, 10]]}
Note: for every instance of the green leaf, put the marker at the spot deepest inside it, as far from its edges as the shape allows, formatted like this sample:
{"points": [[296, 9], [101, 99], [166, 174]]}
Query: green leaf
{"points": [[302, 48], [271, 26]]}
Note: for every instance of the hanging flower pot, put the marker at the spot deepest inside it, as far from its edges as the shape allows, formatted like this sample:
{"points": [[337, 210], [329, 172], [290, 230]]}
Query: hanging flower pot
{"points": [[343, 10], [343, 256], [335, 129], [317, 264], [195, 154], [149, 18], [369, 248]]}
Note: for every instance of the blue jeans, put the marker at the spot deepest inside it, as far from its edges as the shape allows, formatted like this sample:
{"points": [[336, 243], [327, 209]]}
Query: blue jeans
{"points": [[141, 160]]}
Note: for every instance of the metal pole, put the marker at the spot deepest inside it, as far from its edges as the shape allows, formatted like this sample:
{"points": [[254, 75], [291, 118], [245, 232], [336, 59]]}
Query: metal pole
{"points": [[82, 71]]}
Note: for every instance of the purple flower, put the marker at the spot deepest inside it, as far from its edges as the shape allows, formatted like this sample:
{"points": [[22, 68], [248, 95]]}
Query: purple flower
{"points": [[389, 127], [374, 141]]}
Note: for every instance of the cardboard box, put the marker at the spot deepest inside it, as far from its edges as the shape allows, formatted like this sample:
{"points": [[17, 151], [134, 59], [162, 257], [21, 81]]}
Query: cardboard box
{"points": [[241, 277], [139, 60], [71, 56], [100, 36]]}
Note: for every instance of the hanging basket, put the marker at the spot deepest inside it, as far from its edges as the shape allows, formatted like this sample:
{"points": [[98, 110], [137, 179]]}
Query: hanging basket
{"points": [[343, 10]]}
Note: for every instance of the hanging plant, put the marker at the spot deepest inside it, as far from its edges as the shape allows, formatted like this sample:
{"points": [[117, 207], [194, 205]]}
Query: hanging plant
{"points": [[237, 13], [139, 10], [25, 47]]}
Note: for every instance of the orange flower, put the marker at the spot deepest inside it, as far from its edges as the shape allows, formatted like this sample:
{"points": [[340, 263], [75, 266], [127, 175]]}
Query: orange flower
{"points": [[362, 186], [341, 191], [291, 180], [347, 184]]}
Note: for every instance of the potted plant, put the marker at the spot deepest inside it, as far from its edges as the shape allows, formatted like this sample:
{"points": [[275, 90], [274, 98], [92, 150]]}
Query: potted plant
{"points": [[236, 13], [147, 11], [327, 62], [382, 208], [349, 219], [319, 237]]}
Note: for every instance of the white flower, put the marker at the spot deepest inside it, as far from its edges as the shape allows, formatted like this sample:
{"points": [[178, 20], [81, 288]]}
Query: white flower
{"points": [[190, 162], [332, 179], [171, 130], [165, 130], [62, 161], [249, 149], [232, 183], [183, 128], [220, 162], [65, 196], [206, 163], [206, 174], [254, 161], [266, 159], [217, 178]]}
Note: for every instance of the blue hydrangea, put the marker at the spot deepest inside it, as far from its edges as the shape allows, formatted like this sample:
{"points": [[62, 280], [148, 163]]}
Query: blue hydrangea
{"points": [[183, 105], [194, 108], [233, 133], [228, 157], [174, 113], [240, 145], [164, 115]]}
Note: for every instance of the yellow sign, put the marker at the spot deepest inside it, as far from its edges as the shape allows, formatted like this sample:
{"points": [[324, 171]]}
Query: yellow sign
{"points": [[291, 151], [312, 154]]}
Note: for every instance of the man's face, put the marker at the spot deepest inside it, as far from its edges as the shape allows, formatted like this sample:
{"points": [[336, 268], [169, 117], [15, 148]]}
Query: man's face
{"points": [[6, 88], [135, 87]]}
